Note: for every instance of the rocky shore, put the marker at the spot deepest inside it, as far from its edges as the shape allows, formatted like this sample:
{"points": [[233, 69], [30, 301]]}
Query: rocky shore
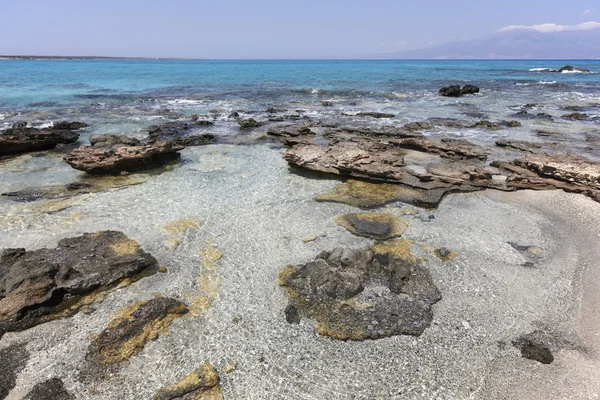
{"points": [[348, 258]]}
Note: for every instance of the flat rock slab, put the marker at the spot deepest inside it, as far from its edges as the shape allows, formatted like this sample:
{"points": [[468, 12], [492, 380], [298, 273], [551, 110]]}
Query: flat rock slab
{"points": [[200, 384], [563, 167], [138, 324], [363, 294], [379, 226], [111, 154], [41, 285]]}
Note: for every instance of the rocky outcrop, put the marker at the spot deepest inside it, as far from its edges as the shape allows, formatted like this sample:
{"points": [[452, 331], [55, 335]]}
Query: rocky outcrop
{"points": [[110, 154], [200, 384], [40, 285], [457, 91], [377, 226], [13, 360], [136, 325], [52, 389], [363, 294], [20, 139], [358, 157], [448, 148], [184, 133], [569, 68], [374, 114], [564, 167], [249, 123], [419, 126]]}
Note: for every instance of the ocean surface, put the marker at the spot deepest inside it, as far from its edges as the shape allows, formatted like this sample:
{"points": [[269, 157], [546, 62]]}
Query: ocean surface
{"points": [[128, 96]]}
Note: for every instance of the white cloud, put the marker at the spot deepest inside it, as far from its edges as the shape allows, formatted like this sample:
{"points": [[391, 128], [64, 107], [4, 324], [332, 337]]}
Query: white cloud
{"points": [[589, 12], [549, 28]]}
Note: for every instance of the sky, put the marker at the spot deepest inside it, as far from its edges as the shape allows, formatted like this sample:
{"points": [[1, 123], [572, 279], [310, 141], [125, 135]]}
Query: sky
{"points": [[225, 29]]}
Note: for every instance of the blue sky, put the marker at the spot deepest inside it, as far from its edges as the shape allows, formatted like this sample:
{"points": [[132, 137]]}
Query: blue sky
{"points": [[264, 28]]}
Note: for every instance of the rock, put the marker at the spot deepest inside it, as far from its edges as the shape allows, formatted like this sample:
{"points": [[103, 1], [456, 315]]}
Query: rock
{"points": [[40, 285], [449, 148], [377, 226], [248, 123], [234, 115], [184, 133], [201, 384], [273, 110], [293, 130], [138, 324], [520, 145], [418, 126], [111, 154], [52, 389], [569, 68], [374, 114], [564, 167], [363, 294], [388, 131], [20, 139], [444, 252], [511, 124], [456, 91], [358, 157], [292, 315], [576, 116], [14, 360], [327, 104], [533, 347]]}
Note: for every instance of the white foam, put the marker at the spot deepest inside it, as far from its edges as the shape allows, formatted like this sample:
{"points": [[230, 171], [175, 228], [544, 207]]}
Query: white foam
{"points": [[540, 70]]}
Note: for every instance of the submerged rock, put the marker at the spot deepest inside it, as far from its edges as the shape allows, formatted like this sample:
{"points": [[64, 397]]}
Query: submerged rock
{"points": [[200, 384], [137, 325], [360, 294], [13, 360], [457, 91], [248, 123], [535, 346], [377, 226], [52, 389], [20, 139], [40, 285], [569, 68], [577, 116], [110, 154], [374, 114]]}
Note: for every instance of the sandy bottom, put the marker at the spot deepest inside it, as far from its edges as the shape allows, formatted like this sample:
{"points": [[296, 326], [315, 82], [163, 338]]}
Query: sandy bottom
{"points": [[259, 215]]}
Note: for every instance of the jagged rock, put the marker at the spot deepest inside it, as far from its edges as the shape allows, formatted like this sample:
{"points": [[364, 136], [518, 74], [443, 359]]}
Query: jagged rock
{"points": [[418, 126], [110, 154], [520, 145], [449, 148], [563, 167], [576, 116], [291, 130], [273, 110], [361, 294], [377, 226], [569, 68], [13, 360], [52, 389], [374, 114], [248, 123], [137, 325], [234, 115], [535, 346], [184, 133], [527, 115], [201, 384], [327, 104], [511, 124], [20, 139], [357, 157], [456, 91], [40, 285], [389, 131]]}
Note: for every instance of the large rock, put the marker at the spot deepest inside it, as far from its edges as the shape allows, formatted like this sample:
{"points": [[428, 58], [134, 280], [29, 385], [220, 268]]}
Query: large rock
{"points": [[20, 139], [563, 167], [363, 294], [249, 123], [356, 157], [448, 148], [457, 91], [40, 285], [569, 68], [184, 133], [52, 389], [200, 384], [110, 154], [379, 226]]}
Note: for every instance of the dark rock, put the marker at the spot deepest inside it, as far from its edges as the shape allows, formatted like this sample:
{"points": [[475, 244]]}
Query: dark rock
{"points": [[292, 315], [184, 133], [68, 126], [40, 285], [52, 389], [449, 148], [374, 114], [291, 130], [520, 145], [234, 115], [327, 104], [201, 384], [127, 334], [569, 68], [456, 91], [510, 124], [111, 154], [13, 360], [19, 125], [576, 116], [444, 252], [388, 131], [273, 110], [377, 226], [321, 290], [418, 126], [20, 139], [533, 347], [248, 123]]}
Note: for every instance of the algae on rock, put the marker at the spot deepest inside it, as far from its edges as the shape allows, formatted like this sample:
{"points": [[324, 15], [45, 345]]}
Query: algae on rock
{"points": [[200, 384]]}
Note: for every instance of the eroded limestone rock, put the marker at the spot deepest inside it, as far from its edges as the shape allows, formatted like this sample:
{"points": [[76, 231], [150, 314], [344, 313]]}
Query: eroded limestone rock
{"points": [[360, 294], [200, 384], [20, 139], [40, 285]]}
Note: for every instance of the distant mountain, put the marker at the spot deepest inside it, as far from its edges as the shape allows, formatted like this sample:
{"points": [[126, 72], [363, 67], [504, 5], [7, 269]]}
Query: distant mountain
{"points": [[514, 43]]}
